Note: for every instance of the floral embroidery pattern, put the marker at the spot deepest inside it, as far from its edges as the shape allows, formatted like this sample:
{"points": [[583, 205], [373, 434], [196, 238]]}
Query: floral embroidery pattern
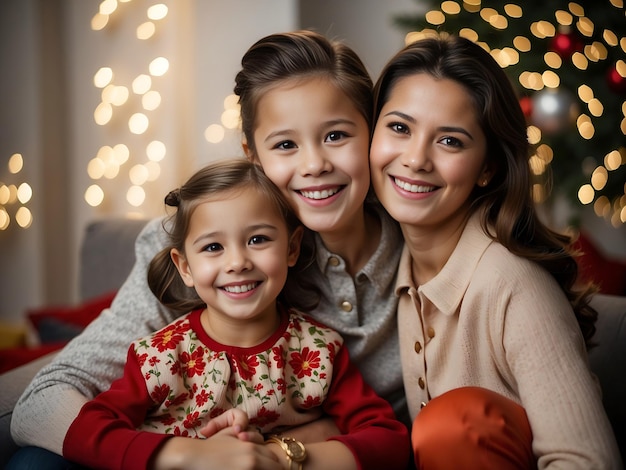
{"points": [[168, 337], [190, 383], [192, 364], [304, 362], [246, 366]]}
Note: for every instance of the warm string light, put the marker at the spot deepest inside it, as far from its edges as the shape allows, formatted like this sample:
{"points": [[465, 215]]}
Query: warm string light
{"points": [[118, 100], [14, 197], [570, 34], [113, 161], [230, 119]]}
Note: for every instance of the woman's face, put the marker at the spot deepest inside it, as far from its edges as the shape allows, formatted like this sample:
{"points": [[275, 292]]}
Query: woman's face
{"points": [[312, 142], [428, 151]]}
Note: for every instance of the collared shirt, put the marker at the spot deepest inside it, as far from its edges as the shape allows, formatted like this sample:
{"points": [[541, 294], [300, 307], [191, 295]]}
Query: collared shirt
{"points": [[495, 320], [362, 309]]}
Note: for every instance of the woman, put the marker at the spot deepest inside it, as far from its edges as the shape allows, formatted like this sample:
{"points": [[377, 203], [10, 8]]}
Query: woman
{"points": [[491, 328]]}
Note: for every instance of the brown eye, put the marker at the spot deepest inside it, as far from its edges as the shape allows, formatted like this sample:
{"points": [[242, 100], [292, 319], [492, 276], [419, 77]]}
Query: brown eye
{"points": [[399, 128], [334, 136], [212, 247], [257, 239], [285, 145], [451, 141]]}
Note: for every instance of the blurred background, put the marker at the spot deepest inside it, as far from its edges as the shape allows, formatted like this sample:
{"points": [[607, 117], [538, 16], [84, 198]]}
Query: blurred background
{"points": [[107, 105]]}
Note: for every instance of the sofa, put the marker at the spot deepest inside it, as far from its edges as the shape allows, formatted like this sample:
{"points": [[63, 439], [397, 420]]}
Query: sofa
{"points": [[106, 258]]}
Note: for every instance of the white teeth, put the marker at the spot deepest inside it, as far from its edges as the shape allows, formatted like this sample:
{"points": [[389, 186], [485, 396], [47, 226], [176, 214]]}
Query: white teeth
{"points": [[326, 193], [414, 188], [240, 289]]}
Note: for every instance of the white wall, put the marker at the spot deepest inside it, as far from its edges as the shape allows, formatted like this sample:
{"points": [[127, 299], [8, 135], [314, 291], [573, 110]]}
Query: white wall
{"points": [[20, 251], [366, 25]]}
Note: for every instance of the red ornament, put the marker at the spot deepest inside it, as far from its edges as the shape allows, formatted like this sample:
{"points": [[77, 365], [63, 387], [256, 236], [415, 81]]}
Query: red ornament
{"points": [[527, 106], [615, 81], [566, 43]]}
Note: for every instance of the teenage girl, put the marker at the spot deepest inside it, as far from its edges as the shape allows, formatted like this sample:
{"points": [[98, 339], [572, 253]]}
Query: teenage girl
{"points": [[306, 115], [233, 238], [492, 329]]}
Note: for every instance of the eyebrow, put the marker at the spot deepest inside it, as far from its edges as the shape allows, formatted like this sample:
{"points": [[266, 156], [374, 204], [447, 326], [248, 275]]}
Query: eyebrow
{"points": [[334, 122], [254, 228], [443, 128], [401, 115], [280, 133], [457, 129]]}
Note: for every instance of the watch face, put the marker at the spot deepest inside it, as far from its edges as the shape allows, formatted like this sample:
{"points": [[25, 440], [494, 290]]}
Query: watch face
{"points": [[296, 450]]}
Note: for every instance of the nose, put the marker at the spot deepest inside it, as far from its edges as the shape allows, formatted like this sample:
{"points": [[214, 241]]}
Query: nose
{"points": [[416, 156], [237, 260], [314, 161]]}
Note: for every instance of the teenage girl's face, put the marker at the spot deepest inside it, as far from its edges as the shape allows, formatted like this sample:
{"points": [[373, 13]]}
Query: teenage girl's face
{"points": [[313, 144], [428, 152], [237, 254]]}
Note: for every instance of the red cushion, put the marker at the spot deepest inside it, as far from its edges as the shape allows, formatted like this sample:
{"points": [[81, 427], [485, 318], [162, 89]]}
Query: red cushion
{"points": [[55, 327], [79, 316], [608, 274], [15, 357]]}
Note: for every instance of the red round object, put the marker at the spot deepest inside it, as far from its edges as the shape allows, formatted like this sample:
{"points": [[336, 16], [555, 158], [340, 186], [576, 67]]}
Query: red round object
{"points": [[527, 106], [615, 81], [565, 44]]}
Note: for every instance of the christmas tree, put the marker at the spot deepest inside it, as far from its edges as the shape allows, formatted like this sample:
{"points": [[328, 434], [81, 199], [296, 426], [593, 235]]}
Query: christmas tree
{"points": [[568, 64]]}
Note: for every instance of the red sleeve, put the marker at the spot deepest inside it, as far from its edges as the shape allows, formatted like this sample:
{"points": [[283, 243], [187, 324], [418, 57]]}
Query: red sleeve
{"points": [[367, 422], [104, 434]]}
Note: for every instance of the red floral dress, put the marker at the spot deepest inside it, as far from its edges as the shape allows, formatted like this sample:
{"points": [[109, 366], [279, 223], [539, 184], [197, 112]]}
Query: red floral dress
{"points": [[178, 379], [192, 378]]}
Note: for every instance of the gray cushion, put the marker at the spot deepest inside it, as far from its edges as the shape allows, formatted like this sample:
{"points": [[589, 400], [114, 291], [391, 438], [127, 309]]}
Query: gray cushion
{"points": [[107, 255]]}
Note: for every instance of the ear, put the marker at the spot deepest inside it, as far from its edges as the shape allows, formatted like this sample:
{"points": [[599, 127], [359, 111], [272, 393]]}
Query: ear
{"points": [[247, 150], [182, 266], [485, 175], [294, 245]]}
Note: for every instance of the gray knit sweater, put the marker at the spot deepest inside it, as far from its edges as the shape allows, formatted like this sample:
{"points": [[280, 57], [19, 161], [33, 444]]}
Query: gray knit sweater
{"points": [[362, 309]]}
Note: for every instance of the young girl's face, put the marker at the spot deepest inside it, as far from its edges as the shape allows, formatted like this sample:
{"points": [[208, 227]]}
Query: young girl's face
{"points": [[428, 151], [237, 254], [313, 144]]}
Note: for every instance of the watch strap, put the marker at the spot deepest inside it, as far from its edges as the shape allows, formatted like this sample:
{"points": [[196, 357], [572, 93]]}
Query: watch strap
{"points": [[295, 451]]}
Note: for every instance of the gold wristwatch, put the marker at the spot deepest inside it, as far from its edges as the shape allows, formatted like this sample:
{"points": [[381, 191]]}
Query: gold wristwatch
{"points": [[296, 453]]}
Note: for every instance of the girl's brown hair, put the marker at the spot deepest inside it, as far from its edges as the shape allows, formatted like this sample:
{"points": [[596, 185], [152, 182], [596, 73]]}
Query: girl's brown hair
{"points": [[300, 54]]}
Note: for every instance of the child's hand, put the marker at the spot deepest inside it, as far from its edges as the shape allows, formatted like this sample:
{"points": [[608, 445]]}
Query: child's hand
{"points": [[234, 417], [238, 420]]}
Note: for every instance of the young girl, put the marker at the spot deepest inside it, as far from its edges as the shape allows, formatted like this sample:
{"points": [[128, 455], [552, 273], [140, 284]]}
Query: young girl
{"points": [[488, 313], [232, 239], [306, 114], [306, 118]]}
